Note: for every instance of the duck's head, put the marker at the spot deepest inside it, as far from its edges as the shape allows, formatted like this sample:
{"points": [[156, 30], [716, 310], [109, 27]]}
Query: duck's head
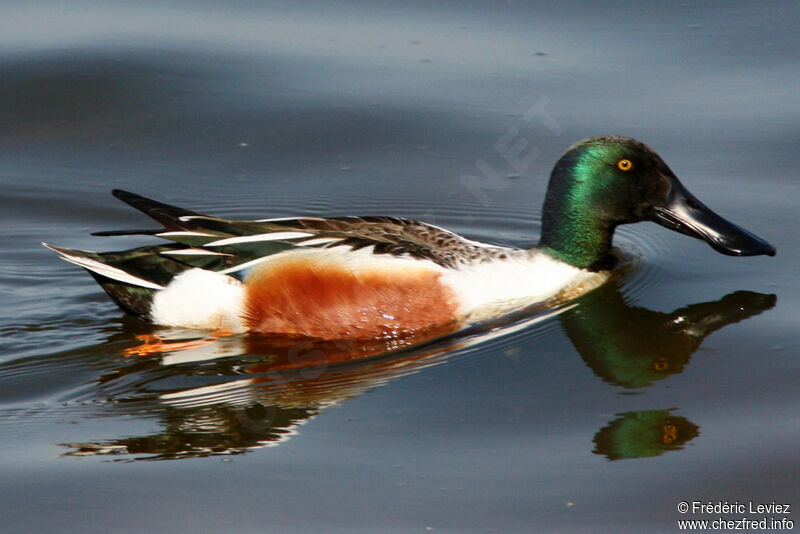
{"points": [[602, 182]]}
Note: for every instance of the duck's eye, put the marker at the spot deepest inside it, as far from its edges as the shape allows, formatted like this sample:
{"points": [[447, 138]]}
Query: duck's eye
{"points": [[625, 165]]}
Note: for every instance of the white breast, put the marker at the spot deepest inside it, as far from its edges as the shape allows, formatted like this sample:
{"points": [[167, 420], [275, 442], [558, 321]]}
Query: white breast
{"points": [[516, 282]]}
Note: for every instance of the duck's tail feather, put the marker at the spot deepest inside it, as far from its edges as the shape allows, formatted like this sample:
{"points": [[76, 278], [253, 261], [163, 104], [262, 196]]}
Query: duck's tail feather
{"points": [[181, 222], [112, 233], [169, 216], [131, 277]]}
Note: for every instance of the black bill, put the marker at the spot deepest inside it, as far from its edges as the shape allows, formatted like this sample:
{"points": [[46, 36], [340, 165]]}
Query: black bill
{"points": [[683, 213]]}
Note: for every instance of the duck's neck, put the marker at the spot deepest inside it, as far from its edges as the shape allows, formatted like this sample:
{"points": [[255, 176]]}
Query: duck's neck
{"points": [[572, 231], [579, 242]]}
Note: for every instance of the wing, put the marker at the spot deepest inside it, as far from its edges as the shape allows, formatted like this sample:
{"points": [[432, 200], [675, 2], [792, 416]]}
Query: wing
{"points": [[231, 246]]}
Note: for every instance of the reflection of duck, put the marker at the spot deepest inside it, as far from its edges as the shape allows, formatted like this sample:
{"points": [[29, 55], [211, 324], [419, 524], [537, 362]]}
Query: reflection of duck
{"points": [[644, 434], [385, 278], [232, 394], [265, 395], [631, 346]]}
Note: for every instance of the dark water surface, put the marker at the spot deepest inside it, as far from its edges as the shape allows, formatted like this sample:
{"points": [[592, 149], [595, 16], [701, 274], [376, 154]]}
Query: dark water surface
{"points": [[677, 381]]}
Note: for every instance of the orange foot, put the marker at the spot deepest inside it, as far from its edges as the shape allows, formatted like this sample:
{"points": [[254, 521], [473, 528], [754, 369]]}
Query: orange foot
{"points": [[154, 344]]}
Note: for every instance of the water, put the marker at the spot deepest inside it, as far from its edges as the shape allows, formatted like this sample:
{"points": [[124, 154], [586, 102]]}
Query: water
{"points": [[675, 382]]}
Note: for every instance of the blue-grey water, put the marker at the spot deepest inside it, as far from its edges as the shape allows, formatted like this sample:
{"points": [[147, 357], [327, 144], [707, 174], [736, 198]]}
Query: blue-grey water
{"points": [[677, 381]]}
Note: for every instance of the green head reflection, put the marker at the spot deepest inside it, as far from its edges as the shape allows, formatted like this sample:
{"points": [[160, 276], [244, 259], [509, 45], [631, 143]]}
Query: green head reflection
{"points": [[643, 434], [633, 347]]}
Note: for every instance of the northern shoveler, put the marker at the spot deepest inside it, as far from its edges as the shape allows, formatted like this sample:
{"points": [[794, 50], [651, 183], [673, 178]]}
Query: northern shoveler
{"points": [[385, 277]]}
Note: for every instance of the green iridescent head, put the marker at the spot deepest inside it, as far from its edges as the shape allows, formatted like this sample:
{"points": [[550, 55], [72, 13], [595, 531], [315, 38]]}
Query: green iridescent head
{"points": [[602, 182]]}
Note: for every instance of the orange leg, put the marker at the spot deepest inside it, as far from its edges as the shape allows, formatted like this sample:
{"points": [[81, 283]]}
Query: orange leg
{"points": [[154, 344]]}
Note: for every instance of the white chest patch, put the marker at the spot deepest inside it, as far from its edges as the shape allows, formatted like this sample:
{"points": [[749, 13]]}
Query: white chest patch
{"points": [[516, 281], [200, 299]]}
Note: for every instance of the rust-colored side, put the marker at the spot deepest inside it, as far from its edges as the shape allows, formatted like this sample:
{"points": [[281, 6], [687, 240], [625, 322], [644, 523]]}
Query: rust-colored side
{"points": [[323, 299]]}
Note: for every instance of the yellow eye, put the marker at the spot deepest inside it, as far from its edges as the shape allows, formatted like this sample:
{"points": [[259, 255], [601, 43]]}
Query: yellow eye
{"points": [[625, 165]]}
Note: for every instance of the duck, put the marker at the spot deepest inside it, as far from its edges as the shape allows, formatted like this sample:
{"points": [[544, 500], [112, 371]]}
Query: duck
{"points": [[385, 278]]}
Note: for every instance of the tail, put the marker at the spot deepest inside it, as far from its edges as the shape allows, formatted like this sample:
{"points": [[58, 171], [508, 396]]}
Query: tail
{"points": [[130, 278], [179, 221], [168, 216]]}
